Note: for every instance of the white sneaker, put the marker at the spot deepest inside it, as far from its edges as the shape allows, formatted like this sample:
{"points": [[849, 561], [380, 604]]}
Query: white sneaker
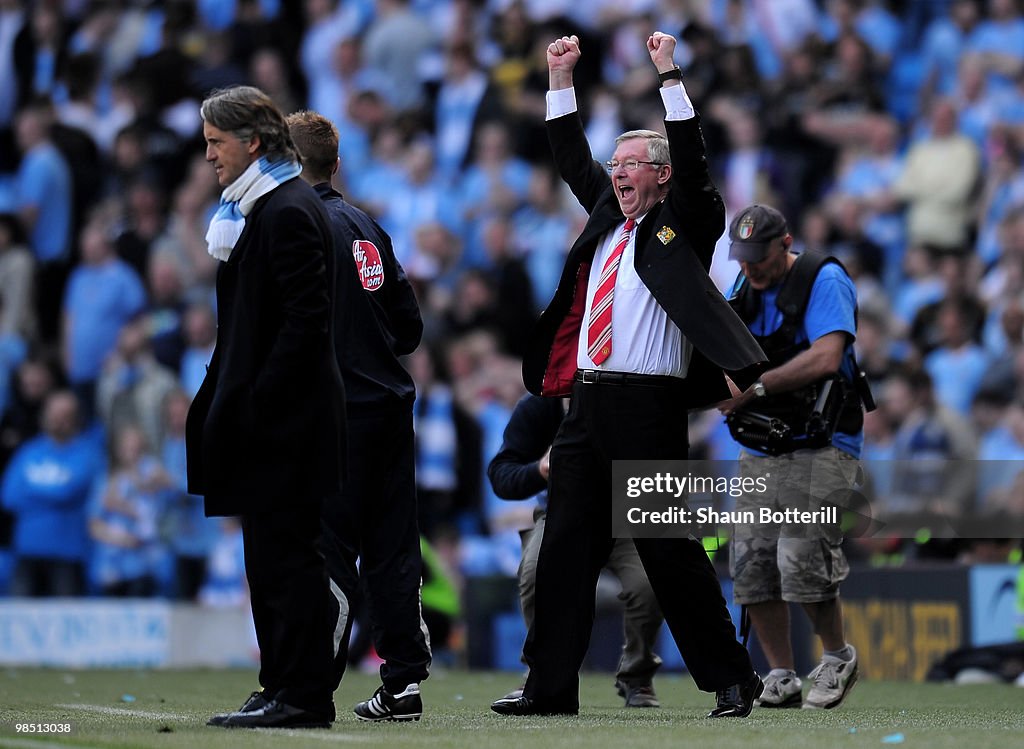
{"points": [[833, 679], [780, 691]]}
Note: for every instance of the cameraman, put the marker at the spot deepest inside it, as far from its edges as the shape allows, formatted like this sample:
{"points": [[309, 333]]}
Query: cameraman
{"points": [[801, 424]]}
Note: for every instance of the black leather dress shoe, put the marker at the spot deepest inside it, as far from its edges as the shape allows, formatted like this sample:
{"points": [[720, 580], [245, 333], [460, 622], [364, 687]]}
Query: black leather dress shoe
{"points": [[256, 701], [526, 706], [277, 715], [737, 701]]}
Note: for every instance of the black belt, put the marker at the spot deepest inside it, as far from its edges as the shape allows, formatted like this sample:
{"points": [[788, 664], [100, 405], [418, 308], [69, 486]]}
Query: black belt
{"points": [[600, 377]]}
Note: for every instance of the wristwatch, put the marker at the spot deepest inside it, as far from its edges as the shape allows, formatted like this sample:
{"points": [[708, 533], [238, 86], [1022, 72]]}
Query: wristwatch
{"points": [[759, 391], [671, 74]]}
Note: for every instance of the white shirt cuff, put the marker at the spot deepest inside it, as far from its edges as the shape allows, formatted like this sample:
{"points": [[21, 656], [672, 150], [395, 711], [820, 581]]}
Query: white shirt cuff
{"points": [[677, 103], [561, 103]]}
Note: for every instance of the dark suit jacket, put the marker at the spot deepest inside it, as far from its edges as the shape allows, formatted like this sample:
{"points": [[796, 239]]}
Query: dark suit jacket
{"points": [[674, 245], [267, 427]]}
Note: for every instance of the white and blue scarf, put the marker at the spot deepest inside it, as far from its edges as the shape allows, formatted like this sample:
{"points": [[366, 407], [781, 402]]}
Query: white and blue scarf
{"points": [[238, 198]]}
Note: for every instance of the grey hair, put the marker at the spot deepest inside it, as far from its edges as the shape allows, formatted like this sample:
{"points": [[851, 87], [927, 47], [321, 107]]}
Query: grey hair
{"points": [[245, 111], [657, 144]]}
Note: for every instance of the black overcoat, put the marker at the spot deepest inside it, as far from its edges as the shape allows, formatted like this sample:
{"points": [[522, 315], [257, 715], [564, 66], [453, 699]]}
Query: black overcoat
{"points": [[267, 427]]}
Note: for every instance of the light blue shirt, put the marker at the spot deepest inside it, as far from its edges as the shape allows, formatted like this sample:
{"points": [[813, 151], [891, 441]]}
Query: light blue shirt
{"points": [[44, 183]]}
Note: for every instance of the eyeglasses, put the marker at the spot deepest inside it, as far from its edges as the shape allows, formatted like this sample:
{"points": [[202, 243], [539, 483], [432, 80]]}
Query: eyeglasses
{"points": [[630, 165]]}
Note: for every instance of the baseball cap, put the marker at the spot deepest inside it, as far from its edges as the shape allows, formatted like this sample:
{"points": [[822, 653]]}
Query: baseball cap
{"points": [[752, 231]]}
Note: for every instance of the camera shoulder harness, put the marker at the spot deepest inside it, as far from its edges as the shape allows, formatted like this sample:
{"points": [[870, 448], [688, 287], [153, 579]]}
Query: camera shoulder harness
{"points": [[808, 416]]}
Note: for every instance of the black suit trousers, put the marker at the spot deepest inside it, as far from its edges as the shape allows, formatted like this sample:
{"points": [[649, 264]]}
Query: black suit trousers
{"points": [[291, 605], [606, 423]]}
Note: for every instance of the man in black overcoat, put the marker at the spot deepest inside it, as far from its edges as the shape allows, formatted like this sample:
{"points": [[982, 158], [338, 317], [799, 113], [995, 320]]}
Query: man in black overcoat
{"points": [[266, 431]]}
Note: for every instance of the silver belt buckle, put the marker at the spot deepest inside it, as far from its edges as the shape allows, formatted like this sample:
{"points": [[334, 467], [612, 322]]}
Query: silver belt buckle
{"points": [[593, 375]]}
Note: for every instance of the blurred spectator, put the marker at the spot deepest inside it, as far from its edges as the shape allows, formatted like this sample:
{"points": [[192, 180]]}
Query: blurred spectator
{"points": [[771, 28], [473, 307], [434, 271], [1004, 344], [999, 38], [945, 41], [806, 157], [144, 219], [516, 39], [200, 329], [184, 236], [103, 293], [271, 23], [874, 346], [395, 45], [46, 487], [1001, 455], [129, 557], [868, 167], [1006, 277], [958, 364], [959, 277], [34, 381], [541, 231], [45, 202], [17, 312], [978, 107], [216, 66], [332, 90], [127, 161], [269, 72], [164, 316], [938, 179], [191, 535], [370, 186], [118, 33], [1002, 191], [132, 389], [465, 101], [83, 108], [418, 198], [933, 448], [499, 551], [12, 18], [849, 89], [449, 462], [328, 24], [921, 285], [13, 350], [864, 258], [749, 172], [224, 585], [160, 76], [40, 49], [514, 299], [493, 184]]}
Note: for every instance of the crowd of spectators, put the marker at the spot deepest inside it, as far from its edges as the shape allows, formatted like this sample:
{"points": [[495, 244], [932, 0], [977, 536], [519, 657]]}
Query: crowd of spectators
{"points": [[890, 133]]}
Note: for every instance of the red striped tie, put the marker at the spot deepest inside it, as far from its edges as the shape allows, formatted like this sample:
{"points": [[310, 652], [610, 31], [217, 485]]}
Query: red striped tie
{"points": [[599, 329]]}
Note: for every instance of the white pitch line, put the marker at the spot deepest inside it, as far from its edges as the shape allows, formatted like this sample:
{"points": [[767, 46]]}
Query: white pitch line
{"points": [[127, 712]]}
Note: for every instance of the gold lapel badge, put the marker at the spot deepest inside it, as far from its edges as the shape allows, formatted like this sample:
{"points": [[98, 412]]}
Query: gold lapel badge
{"points": [[666, 235]]}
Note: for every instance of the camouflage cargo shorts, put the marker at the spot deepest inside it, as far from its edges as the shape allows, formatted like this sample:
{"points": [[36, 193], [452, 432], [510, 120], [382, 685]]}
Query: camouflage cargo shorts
{"points": [[802, 563]]}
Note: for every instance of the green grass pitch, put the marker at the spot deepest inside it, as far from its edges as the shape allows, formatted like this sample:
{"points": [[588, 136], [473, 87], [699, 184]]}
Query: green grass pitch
{"points": [[168, 709]]}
